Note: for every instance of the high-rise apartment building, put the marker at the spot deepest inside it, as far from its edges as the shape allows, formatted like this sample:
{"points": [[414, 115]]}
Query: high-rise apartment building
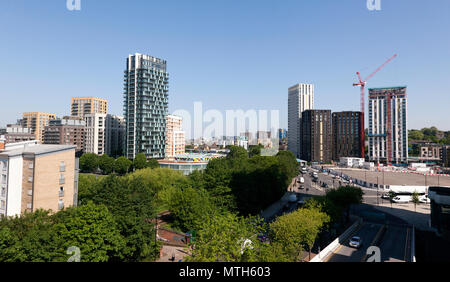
{"points": [[115, 135], [316, 131], [301, 98], [146, 101], [175, 139], [94, 141], [81, 106], [347, 135], [388, 125], [66, 131], [37, 122], [34, 176]]}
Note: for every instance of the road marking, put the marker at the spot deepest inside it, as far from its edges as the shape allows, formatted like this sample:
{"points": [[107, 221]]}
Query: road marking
{"points": [[341, 245], [374, 240]]}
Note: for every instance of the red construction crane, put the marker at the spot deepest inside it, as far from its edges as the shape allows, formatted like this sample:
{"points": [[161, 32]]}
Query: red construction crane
{"points": [[362, 83]]}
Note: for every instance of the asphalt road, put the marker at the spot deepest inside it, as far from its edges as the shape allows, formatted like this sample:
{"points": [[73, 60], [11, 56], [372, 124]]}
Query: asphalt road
{"points": [[345, 253]]}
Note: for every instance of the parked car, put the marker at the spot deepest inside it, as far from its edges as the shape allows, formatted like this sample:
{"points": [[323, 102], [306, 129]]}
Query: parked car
{"points": [[301, 180], [424, 199], [385, 196], [355, 242], [402, 199]]}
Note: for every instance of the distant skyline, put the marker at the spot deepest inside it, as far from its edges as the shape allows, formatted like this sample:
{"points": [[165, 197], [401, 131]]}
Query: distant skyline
{"points": [[229, 55]]}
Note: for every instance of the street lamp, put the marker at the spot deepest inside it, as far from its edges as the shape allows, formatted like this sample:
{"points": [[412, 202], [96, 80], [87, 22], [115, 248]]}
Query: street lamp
{"points": [[378, 186]]}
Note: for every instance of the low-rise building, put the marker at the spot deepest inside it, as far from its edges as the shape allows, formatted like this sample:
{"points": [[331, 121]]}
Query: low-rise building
{"points": [[14, 133], [35, 176], [187, 163], [351, 162]]}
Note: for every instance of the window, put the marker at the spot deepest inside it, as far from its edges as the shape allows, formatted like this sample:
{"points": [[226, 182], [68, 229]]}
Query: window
{"points": [[61, 204], [3, 205], [62, 167], [61, 191], [3, 194], [62, 180], [30, 178]]}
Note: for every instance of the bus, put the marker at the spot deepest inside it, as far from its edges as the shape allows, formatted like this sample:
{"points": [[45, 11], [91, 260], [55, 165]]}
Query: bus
{"points": [[403, 194]]}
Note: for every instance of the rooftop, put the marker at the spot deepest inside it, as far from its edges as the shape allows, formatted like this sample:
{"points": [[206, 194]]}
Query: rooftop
{"points": [[29, 147]]}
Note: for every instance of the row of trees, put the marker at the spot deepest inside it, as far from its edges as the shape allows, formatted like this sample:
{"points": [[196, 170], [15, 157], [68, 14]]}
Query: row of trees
{"points": [[92, 163]]}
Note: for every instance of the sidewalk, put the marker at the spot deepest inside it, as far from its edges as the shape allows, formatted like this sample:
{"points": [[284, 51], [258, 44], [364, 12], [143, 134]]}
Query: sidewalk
{"points": [[273, 209]]}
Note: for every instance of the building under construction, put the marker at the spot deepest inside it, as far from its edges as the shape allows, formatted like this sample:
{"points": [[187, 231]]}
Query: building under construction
{"points": [[388, 125]]}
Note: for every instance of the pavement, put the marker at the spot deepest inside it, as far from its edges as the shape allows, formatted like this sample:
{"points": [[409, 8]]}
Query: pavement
{"points": [[168, 251]]}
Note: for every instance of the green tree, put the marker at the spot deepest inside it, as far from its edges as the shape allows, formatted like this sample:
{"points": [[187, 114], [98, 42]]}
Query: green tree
{"points": [[391, 195], [152, 163], [298, 230], [106, 164], [237, 153], [140, 161], [190, 207], [222, 238], [345, 196], [255, 150], [122, 165], [89, 162], [92, 229], [415, 199]]}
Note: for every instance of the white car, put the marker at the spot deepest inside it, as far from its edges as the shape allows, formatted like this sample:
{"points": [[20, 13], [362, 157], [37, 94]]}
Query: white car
{"points": [[424, 199], [355, 242], [301, 180], [402, 199]]}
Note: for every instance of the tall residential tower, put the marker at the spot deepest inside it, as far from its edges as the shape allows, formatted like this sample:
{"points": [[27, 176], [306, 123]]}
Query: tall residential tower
{"points": [[388, 125], [146, 99], [301, 98]]}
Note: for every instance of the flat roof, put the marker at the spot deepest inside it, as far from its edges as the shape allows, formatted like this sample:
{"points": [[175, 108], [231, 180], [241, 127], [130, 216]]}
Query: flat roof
{"points": [[37, 150], [391, 87]]}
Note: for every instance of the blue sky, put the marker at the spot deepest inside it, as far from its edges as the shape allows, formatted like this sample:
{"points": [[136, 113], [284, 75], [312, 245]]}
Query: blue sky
{"points": [[228, 54]]}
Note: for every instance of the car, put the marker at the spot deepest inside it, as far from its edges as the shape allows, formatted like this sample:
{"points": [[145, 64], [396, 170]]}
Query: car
{"points": [[325, 185], [402, 199], [355, 242], [424, 199], [292, 199], [301, 180], [302, 187], [385, 196]]}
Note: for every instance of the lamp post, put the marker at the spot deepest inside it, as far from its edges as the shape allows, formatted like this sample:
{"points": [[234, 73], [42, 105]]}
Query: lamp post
{"points": [[378, 186]]}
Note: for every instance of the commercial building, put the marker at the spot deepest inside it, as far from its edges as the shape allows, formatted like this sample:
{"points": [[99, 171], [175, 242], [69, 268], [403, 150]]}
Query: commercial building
{"points": [[316, 145], [175, 137], [187, 163], [95, 133], [264, 138], [431, 153], [388, 125], [66, 131], [347, 135], [145, 106], [14, 133], [115, 135], [81, 106], [34, 176], [37, 121], [440, 210], [301, 98]]}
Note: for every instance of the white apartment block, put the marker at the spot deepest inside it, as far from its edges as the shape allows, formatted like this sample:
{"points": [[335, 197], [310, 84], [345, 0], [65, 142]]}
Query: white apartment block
{"points": [[301, 98], [95, 134], [175, 137], [388, 125]]}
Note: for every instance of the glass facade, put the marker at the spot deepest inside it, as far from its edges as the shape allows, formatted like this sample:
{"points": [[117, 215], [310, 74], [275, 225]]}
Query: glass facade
{"points": [[146, 87]]}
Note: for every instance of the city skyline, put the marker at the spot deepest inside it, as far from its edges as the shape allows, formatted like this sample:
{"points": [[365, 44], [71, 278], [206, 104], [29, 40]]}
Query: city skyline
{"points": [[260, 69]]}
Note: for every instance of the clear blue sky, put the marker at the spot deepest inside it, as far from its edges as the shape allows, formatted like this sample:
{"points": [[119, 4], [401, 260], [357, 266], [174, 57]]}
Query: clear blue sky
{"points": [[228, 54]]}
